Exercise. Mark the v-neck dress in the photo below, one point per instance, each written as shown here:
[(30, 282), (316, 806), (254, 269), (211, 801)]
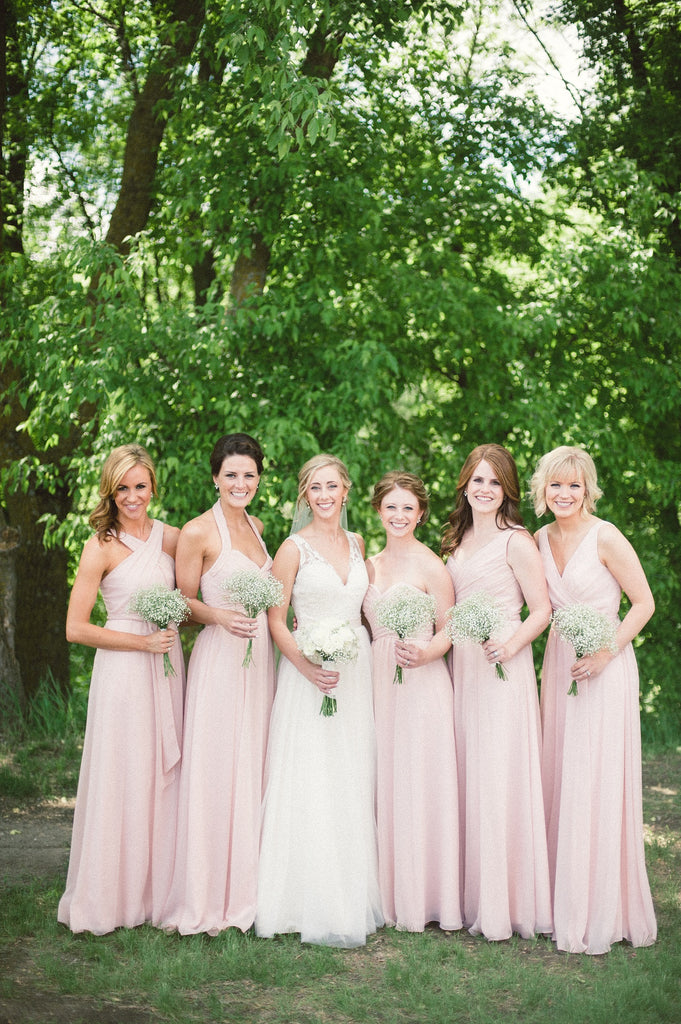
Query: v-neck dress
[(505, 876), (225, 736), (592, 773), (417, 804), (318, 860), (124, 825)]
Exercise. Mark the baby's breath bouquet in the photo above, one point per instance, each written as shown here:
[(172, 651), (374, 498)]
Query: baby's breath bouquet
[(476, 619), (161, 606), (587, 629), (405, 610), (256, 593), (328, 640)]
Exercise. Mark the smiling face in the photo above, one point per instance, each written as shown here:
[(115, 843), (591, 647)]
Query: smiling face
[(400, 512), (484, 490), (237, 480), (565, 495), (325, 493), (133, 494)]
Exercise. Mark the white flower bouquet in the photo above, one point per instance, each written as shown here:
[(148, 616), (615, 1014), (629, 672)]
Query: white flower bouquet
[(256, 593), (405, 610), (161, 606), (587, 629), (328, 640), (475, 620)]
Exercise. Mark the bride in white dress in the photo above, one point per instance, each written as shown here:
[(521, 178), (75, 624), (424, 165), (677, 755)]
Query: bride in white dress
[(318, 862)]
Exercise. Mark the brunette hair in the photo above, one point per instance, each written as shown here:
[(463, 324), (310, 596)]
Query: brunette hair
[(235, 444), (104, 518), (408, 482), (508, 514), (310, 468), (566, 460)]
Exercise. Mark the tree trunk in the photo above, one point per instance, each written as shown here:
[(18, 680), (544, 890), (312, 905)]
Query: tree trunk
[(12, 696)]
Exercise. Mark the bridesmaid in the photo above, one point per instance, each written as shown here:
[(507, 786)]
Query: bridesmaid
[(227, 709), (124, 825), (592, 744), (505, 879), (417, 800)]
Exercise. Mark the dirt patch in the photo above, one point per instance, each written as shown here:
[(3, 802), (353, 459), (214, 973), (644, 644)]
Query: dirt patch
[(34, 839)]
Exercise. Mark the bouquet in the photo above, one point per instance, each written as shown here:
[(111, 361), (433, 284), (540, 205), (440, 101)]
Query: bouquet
[(256, 593), (587, 630), (477, 618), (161, 606), (404, 610), (328, 640)]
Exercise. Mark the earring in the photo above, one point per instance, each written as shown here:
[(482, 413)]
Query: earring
[(345, 501), (465, 494), (217, 488), (418, 520), (308, 505)]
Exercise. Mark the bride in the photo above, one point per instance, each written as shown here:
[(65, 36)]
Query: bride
[(318, 863)]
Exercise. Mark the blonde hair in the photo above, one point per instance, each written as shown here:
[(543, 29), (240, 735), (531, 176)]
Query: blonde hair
[(408, 482), (310, 468), (508, 514), (104, 519), (566, 460)]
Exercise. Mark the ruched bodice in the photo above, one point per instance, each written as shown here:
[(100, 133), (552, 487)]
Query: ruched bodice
[(488, 569), (597, 587), (146, 566), (379, 632), (228, 561)]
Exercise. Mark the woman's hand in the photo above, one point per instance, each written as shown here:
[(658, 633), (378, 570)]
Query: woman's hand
[(324, 679), (160, 641), (496, 652), (590, 665), (410, 654), (236, 623)]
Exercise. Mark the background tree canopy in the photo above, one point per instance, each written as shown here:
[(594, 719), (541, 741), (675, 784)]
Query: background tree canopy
[(350, 226)]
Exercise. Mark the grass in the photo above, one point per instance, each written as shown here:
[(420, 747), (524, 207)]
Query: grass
[(143, 976)]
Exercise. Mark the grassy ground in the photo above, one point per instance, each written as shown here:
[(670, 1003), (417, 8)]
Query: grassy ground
[(143, 976)]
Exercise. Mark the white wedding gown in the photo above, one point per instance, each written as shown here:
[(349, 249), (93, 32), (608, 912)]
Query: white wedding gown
[(318, 862)]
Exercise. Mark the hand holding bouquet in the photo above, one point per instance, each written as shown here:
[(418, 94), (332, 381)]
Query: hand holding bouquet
[(476, 619), (161, 606), (587, 629), (405, 610), (328, 640), (256, 593)]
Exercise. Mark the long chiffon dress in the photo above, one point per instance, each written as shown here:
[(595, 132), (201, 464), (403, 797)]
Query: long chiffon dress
[(318, 861), (592, 774), (124, 825), (417, 805), (505, 877), (225, 736)]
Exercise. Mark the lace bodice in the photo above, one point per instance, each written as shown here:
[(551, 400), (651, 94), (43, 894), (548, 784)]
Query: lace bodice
[(319, 592)]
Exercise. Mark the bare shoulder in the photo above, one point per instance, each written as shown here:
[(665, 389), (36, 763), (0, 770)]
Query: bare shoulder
[(430, 561), (171, 535), (522, 542), (612, 542)]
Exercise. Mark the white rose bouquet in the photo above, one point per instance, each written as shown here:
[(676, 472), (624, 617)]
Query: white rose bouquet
[(405, 610), (161, 606), (475, 620), (587, 629), (328, 640), (256, 593)]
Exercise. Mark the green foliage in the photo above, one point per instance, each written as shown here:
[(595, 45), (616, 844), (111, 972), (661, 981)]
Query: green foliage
[(419, 292)]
